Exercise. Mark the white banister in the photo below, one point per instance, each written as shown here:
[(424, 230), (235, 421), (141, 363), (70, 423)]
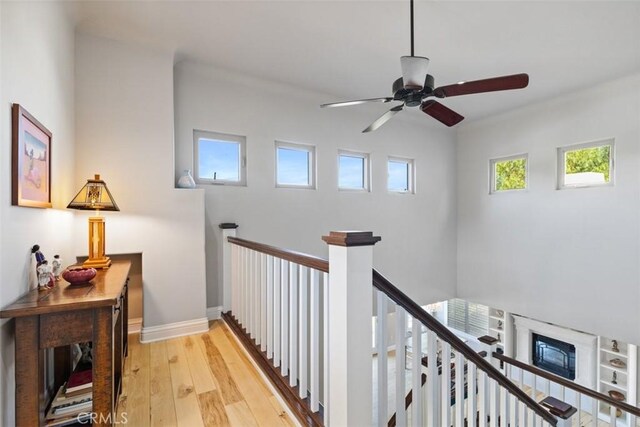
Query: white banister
[(277, 285), (401, 385), (459, 379), (227, 230), (416, 372), (284, 317), (269, 306), (381, 341), (432, 389), (293, 324), (445, 400), (303, 324), (314, 345), (350, 329)]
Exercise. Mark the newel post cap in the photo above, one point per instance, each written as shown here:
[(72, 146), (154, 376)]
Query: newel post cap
[(228, 225), (351, 238)]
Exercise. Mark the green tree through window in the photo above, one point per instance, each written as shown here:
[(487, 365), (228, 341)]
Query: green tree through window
[(595, 159), (511, 174)]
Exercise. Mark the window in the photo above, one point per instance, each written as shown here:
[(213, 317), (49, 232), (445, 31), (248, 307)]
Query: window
[(353, 171), (295, 165), (400, 175), (468, 317), (509, 173), (586, 165), (219, 158)]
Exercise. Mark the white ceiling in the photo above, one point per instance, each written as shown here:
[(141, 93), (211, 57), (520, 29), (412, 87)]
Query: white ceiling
[(351, 49)]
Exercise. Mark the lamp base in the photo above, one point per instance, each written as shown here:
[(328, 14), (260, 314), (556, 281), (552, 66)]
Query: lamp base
[(97, 263)]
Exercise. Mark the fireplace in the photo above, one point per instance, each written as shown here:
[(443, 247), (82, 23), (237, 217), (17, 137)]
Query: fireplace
[(553, 355)]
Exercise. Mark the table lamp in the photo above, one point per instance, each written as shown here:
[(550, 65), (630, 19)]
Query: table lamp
[(95, 196)]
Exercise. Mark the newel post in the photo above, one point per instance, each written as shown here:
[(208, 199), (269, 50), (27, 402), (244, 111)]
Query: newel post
[(350, 301), (228, 230)]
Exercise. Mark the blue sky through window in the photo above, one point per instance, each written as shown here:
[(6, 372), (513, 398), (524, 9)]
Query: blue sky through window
[(351, 172), (398, 176), (218, 160), (293, 166)]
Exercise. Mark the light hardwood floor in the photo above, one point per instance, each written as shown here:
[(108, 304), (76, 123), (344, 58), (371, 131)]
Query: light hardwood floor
[(200, 380)]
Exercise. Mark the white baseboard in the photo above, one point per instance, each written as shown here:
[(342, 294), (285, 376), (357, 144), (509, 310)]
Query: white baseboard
[(173, 330), (214, 313), (135, 325)]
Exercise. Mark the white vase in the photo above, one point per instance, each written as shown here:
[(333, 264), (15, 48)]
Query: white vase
[(186, 180)]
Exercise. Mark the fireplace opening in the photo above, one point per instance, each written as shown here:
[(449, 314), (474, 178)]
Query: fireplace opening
[(554, 356)]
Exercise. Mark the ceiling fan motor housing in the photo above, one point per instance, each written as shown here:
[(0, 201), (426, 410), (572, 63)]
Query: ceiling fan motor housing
[(412, 97)]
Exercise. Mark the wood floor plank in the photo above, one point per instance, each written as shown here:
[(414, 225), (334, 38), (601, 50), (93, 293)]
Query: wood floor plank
[(240, 415), (184, 396), (137, 393), (226, 385), (121, 410), (162, 408), (257, 397), (200, 372), (213, 410), (281, 412)]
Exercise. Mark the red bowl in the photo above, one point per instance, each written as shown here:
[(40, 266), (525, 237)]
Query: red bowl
[(77, 276)]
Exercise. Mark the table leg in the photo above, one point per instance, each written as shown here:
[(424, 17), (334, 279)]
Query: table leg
[(103, 367), (29, 373)]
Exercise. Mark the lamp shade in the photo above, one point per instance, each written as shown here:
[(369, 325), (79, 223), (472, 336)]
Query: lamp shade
[(94, 196)]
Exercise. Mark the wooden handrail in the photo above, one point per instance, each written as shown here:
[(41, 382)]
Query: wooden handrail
[(418, 313), (293, 256), (633, 410)]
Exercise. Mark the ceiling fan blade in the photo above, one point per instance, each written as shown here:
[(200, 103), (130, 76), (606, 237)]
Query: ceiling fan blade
[(383, 119), (441, 113), (356, 102), (515, 81), (414, 71)]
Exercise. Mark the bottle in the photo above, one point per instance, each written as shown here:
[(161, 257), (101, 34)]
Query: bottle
[(186, 180)]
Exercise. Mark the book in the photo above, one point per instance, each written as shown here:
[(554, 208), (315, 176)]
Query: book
[(61, 397), (79, 380), (70, 409)]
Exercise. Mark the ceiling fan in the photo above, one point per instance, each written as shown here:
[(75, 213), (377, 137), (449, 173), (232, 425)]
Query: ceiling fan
[(415, 87)]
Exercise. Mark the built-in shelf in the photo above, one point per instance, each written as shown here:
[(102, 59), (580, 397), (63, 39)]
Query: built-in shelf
[(501, 318), (626, 377)]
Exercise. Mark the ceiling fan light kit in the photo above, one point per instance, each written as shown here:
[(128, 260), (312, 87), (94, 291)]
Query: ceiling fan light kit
[(416, 86)]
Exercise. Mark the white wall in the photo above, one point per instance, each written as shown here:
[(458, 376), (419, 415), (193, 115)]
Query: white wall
[(569, 257), (417, 251), (124, 99), (37, 71)]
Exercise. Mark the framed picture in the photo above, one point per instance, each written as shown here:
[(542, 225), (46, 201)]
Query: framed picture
[(31, 161)]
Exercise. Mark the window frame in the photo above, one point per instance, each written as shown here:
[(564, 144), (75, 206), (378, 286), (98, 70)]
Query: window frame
[(561, 165), (312, 168), (366, 178), (218, 136), (492, 173), (411, 174)]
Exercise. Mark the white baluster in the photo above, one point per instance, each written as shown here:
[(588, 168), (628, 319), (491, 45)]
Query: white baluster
[(325, 330), (234, 280), (513, 409), (445, 385), (293, 324), (459, 367), (416, 373), (594, 412), (303, 324), (277, 313), (243, 252), (284, 323), (381, 346), (314, 347), (401, 387), (269, 291), (252, 294), (482, 398), (504, 406), (472, 402), (547, 388), (494, 399), (579, 407), (263, 302), (612, 416), (249, 292), (432, 389)]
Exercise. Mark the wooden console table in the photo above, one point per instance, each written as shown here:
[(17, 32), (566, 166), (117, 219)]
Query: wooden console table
[(63, 316)]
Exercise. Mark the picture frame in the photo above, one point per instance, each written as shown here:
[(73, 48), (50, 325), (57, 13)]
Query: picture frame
[(31, 161)]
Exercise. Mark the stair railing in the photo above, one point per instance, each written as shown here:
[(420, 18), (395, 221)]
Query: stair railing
[(305, 321), (539, 384)]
